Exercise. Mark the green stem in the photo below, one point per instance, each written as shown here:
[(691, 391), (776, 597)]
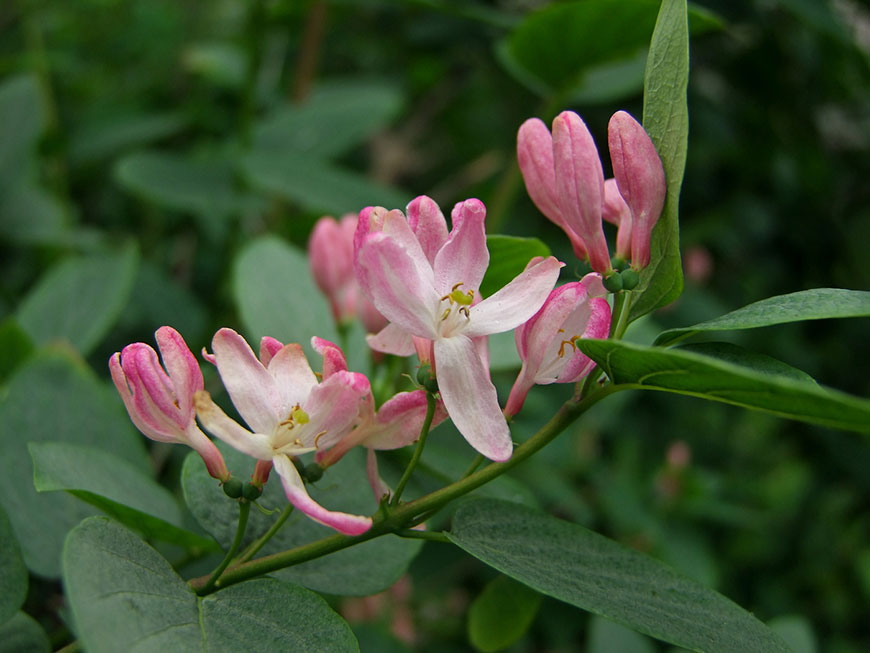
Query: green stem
[(258, 544), (211, 583), (432, 536), (401, 516), (477, 462), (618, 329), (424, 431)]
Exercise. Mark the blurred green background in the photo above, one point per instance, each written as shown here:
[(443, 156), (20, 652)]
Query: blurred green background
[(146, 148)]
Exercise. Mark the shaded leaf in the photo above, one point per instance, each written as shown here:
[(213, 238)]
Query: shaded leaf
[(15, 348), (508, 257), (815, 304), (637, 367), (22, 633), (22, 119), (605, 636), (13, 573), (666, 120), (358, 571), (108, 135), (501, 614), (79, 299), (737, 355), (114, 486), (52, 398), (29, 215), (125, 596), (594, 573)]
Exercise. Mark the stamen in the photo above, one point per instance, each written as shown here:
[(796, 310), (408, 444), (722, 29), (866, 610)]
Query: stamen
[(317, 438)]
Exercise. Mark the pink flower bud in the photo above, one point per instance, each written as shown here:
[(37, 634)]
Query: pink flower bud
[(160, 402), (547, 342), (330, 255), (616, 211), (641, 179)]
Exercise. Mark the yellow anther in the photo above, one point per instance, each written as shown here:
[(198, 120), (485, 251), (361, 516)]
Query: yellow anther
[(572, 343), (445, 314)]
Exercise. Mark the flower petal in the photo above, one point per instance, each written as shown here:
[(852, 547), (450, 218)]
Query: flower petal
[(333, 358), (464, 257), (428, 224), (221, 426), (147, 418), (401, 290), (332, 408), (379, 487), (616, 211), (293, 377), (535, 158), (182, 367), (470, 397), (251, 387), (392, 339), (516, 302), (296, 493)]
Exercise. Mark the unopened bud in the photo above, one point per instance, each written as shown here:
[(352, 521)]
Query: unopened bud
[(613, 283), (233, 488)]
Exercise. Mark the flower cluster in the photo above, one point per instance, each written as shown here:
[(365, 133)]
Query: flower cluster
[(415, 284)]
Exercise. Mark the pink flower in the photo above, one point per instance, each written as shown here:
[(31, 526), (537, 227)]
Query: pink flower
[(564, 178), (547, 342), (289, 413), (330, 256), (429, 290), (160, 403)]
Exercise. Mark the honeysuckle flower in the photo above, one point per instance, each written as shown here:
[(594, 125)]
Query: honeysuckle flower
[(431, 293), (288, 412), (330, 257), (160, 402), (547, 343), (563, 175)]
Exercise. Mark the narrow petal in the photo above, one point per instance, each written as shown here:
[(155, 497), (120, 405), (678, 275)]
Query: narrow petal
[(464, 257), (519, 392), (250, 385), (293, 377), (470, 398), (210, 454), (392, 339), (535, 158), (428, 224), (396, 285), (580, 182), (221, 426), (516, 302), (182, 367), (333, 358), (296, 493)]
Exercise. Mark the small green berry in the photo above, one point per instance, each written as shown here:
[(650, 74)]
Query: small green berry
[(233, 488), (313, 472), (252, 492), (613, 283), (630, 279)]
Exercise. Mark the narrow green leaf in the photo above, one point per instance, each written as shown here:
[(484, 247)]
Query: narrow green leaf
[(815, 304), (23, 633), (508, 257), (589, 571), (652, 368), (80, 299), (206, 187), (13, 573), (501, 614), (55, 398), (357, 571), (124, 596), (666, 119), (338, 115), (317, 185), (276, 296), (114, 486), (737, 355)]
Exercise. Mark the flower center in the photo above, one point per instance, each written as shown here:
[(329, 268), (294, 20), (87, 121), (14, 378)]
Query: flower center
[(458, 310)]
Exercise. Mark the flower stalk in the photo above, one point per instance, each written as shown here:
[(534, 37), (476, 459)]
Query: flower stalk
[(211, 584), (431, 403)]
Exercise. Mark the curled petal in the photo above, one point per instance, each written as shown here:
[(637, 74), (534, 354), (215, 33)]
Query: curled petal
[(428, 224), (145, 415), (296, 493), (269, 346), (470, 398), (333, 358), (182, 368), (516, 302), (464, 257), (332, 408)]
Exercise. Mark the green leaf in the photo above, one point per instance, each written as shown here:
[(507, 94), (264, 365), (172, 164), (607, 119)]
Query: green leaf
[(23, 633), (79, 300), (15, 348), (31, 216), (652, 368), (605, 636), (316, 185), (106, 136), (797, 631), (338, 115), (358, 571), (276, 296), (737, 355), (22, 119), (815, 304), (124, 596), (114, 486), (666, 119), (508, 257), (501, 614), (205, 186), (591, 572), (13, 573), (53, 398), (555, 51)]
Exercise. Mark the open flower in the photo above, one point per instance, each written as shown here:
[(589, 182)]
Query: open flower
[(547, 343), (289, 413), (160, 402), (433, 295)]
